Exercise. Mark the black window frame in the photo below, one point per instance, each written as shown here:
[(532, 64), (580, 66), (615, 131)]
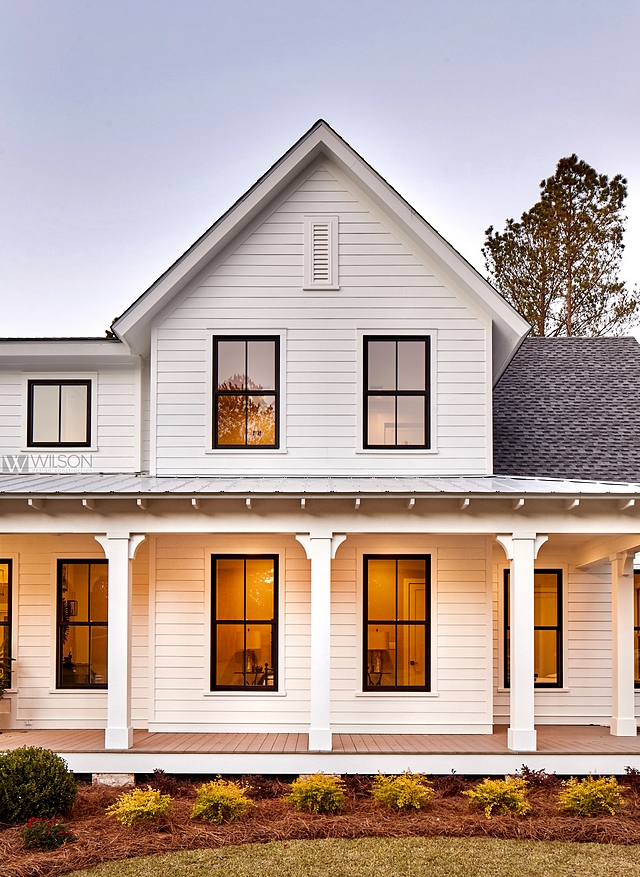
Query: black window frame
[(244, 621), (246, 392), (65, 622), (367, 683), (426, 393), (558, 628), (7, 626), (67, 382)]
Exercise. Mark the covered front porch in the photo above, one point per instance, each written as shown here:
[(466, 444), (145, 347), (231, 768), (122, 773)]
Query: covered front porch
[(562, 749)]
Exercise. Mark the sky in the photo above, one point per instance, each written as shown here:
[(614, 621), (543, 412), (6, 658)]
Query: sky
[(127, 128)]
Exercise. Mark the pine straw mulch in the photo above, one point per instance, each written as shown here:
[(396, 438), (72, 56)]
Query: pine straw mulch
[(101, 839)]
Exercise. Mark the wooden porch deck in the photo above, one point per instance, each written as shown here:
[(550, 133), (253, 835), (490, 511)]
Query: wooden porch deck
[(552, 740)]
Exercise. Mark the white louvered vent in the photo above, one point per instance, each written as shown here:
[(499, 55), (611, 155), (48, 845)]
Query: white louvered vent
[(321, 252), (321, 247)]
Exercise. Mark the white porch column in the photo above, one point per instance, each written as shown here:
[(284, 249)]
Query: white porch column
[(119, 549), (521, 550), (320, 550), (623, 721)]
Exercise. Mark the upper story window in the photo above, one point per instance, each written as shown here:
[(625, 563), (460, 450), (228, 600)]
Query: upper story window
[(396, 392), (82, 623), (245, 396), (59, 413), (547, 628)]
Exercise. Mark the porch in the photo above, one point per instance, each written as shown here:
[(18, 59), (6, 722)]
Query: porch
[(565, 749)]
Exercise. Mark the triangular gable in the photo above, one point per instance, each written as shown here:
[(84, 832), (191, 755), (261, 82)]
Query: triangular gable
[(509, 328)]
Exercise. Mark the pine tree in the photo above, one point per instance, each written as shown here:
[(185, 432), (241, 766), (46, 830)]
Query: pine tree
[(559, 265)]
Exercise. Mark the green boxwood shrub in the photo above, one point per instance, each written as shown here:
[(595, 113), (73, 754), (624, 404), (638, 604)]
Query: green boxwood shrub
[(319, 793), (591, 797), (504, 796), (408, 790), (221, 801), (34, 782)]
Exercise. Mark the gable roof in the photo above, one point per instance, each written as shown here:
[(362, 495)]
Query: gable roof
[(509, 328), (570, 408)]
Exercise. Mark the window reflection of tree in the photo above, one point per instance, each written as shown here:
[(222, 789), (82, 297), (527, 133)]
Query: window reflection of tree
[(245, 418)]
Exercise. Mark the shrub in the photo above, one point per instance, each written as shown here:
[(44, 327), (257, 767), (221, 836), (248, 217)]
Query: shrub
[(130, 808), (221, 800), (319, 793), (46, 834), (539, 778), (34, 782), (502, 795), (591, 797), (403, 791)]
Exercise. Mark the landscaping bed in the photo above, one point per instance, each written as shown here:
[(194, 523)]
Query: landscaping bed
[(100, 838)]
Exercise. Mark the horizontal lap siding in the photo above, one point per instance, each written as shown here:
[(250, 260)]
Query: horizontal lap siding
[(587, 649), (382, 286), (117, 413), (182, 661), (461, 675)]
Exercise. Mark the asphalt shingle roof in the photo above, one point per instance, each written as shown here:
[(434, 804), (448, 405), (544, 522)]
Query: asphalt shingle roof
[(570, 408)]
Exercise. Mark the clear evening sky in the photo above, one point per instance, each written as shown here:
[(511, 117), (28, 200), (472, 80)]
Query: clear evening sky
[(128, 127)]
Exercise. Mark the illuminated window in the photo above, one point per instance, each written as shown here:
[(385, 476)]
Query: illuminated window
[(59, 413), (244, 629), (245, 402), (636, 625), (5, 622), (396, 623), (396, 392), (547, 628), (82, 623)]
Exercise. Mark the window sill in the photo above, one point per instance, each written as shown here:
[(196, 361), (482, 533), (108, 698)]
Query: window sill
[(393, 451), (78, 691), (61, 449), (244, 452), (409, 695), (539, 690), (245, 693)]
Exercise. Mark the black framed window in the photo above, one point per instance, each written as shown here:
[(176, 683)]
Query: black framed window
[(636, 626), (547, 628), (82, 623), (396, 623), (5, 621), (244, 606), (59, 413), (246, 392), (396, 392)]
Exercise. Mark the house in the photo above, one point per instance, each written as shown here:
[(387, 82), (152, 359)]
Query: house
[(318, 502)]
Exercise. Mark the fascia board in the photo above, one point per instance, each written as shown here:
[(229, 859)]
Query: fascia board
[(104, 350)]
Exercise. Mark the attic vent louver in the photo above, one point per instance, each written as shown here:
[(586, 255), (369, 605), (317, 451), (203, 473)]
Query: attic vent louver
[(321, 252)]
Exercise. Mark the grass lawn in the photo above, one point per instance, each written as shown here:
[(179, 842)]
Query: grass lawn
[(387, 857)]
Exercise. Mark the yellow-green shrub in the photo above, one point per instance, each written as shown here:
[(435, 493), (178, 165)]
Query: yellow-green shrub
[(504, 796), (403, 791), (220, 801), (319, 793), (130, 808), (591, 797)]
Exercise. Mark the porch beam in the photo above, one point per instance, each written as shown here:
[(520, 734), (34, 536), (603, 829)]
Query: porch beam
[(623, 721), (599, 551), (320, 548), (119, 549)]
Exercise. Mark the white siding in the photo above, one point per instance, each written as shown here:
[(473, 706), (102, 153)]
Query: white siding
[(384, 287), (586, 694), (117, 412)]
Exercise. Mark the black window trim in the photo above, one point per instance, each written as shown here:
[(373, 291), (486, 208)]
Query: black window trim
[(53, 382), (9, 623), (275, 624), (427, 623), (216, 393), (426, 393), (60, 622), (558, 629)]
